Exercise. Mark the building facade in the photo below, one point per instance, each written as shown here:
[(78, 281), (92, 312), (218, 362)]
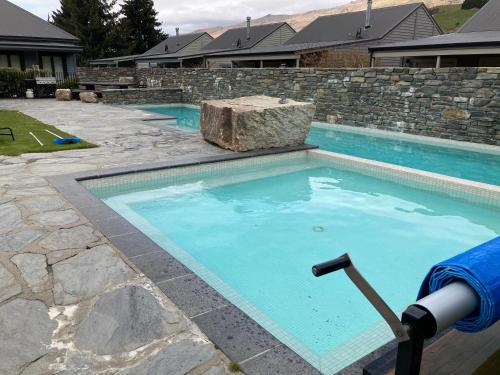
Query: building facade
[(27, 42)]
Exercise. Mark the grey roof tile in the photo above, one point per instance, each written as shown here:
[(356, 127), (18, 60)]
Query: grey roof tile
[(229, 39), (486, 19), (174, 43), (446, 40), (19, 23), (342, 27)]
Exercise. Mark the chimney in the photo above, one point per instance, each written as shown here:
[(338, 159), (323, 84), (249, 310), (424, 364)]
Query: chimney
[(368, 14), (248, 28), (177, 35)]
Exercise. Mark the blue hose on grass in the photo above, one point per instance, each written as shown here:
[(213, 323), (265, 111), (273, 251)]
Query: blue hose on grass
[(480, 268)]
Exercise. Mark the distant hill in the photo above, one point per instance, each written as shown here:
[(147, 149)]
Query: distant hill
[(300, 20), (451, 17)]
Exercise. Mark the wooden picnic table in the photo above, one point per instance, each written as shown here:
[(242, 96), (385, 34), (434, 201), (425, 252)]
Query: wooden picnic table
[(91, 85)]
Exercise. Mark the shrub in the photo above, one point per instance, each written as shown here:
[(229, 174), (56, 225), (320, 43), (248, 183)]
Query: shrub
[(68, 83), (469, 4), (12, 82)]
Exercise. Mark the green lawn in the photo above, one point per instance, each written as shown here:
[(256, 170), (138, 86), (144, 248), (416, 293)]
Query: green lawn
[(451, 17), (22, 125)]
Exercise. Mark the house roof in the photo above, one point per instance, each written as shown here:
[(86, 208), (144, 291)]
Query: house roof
[(482, 29), (342, 27), (486, 19), (229, 39), (174, 44), (475, 39), (17, 23)]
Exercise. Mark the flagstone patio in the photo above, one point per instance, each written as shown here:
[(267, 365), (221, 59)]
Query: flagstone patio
[(69, 301)]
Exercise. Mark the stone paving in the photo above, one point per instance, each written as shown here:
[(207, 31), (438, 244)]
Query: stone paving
[(70, 303)]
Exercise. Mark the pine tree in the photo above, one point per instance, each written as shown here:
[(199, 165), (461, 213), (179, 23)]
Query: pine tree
[(93, 22), (139, 26)]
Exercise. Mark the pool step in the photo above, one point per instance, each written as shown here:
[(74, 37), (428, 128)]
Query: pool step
[(159, 118), (454, 353)]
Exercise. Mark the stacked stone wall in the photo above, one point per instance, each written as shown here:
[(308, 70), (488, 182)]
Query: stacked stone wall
[(453, 103)]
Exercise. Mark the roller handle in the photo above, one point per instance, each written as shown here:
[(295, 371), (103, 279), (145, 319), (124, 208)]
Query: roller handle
[(331, 266)]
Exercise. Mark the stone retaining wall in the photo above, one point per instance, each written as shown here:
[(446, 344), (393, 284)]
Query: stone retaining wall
[(142, 96), (104, 74), (455, 103)]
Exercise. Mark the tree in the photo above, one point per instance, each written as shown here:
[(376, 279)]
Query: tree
[(139, 26), (93, 22), (469, 4)]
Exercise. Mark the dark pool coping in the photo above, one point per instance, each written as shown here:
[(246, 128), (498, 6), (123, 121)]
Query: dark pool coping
[(241, 338)]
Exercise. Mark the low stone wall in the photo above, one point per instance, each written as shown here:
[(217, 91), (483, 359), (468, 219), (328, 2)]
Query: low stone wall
[(142, 96), (454, 103), (104, 74)]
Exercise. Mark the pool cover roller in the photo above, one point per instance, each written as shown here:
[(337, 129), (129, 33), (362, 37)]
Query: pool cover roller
[(480, 269)]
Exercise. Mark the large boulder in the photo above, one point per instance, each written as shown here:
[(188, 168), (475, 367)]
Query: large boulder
[(63, 95), (89, 97), (255, 122)]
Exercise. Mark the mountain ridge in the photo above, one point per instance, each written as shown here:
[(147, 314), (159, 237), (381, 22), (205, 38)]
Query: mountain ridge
[(299, 20)]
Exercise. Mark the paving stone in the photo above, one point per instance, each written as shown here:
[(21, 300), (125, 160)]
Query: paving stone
[(42, 366), (19, 240), (33, 267), (279, 360), (25, 334), (219, 370), (56, 218), (59, 255), (126, 319), (9, 287), (88, 274), (11, 218), (73, 238), (175, 359), (235, 333), (39, 204)]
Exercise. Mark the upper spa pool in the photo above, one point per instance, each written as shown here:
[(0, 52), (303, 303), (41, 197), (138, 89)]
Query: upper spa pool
[(253, 228), (380, 146)]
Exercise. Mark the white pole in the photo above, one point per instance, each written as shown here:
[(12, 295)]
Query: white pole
[(48, 131), (34, 136)]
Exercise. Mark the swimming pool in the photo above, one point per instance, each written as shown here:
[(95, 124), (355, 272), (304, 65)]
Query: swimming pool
[(187, 117), (455, 162), (252, 229)]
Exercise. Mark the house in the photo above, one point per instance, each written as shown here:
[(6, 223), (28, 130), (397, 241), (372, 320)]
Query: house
[(27, 41), (475, 44), (183, 44), (353, 32), (240, 39)]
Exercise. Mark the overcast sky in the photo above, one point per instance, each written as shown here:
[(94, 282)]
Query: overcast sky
[(195, 14)]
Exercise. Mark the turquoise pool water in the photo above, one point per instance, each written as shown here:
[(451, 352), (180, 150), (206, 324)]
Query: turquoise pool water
[(253, 233), (476, 166), (481, 167), (187, 119)]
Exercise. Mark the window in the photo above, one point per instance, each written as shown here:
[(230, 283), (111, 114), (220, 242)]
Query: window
[(58, 65), (10, 61), (53, 64), (47, 63), (4, 61), (15, 61)]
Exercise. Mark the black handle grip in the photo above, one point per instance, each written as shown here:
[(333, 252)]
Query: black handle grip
[(331, 266)]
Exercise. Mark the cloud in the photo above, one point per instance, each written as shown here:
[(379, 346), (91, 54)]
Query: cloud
[(196, 14)]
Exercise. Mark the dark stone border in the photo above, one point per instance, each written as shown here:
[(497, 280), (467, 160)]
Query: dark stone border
[(241, 338)]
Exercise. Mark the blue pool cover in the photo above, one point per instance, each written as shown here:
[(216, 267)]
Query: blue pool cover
[(480, 268)]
